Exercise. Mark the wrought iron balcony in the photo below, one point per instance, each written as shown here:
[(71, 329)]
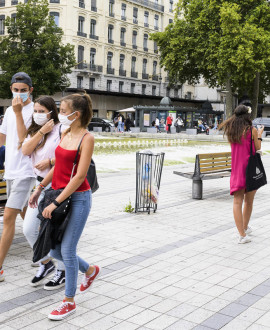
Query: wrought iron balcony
[(14, 2), (134, 47), (145, 75), (94, 8), (123, 18), (110, 70), (155, 51), (92, 36), (111, 14), (149, 4), (122, 43), (146, 25), (145, 49), (81, 34), (96, 68), (110, 41), (156, 28), (155, 77), (135, 20), (134, 74), (122, 73)]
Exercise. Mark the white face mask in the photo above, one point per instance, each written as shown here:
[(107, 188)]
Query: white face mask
[(64, 119), (40, 118)]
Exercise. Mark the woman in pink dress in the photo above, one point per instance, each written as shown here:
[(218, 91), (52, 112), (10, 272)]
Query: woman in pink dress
[(238, 130)]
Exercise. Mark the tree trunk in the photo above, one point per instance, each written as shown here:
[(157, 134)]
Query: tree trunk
[(255, 95), (229, 99)]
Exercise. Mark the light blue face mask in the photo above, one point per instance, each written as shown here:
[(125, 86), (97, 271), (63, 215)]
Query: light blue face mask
[(23, 96)]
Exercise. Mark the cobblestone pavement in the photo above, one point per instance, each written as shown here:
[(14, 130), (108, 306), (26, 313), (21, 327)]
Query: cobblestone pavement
[(180, 268)]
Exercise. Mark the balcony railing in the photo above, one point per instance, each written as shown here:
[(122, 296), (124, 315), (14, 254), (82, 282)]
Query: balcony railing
[(14, 2), (110, 41), (81, 4), (155, 51), (155, 77), (92, 36), (134, 47), (54, 1), (156, 28), (110, 70), (122, 43), (122, 73), (145, 75), (81, 34), (2, 32), (134, 74), (96, 68), (111, 14), (145, 49), (123, 18), (150, 4), (94, 8), (135, 20), (146, 25)]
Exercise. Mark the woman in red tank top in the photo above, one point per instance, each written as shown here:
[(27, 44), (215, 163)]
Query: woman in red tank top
[(237, 128), (75, 112)]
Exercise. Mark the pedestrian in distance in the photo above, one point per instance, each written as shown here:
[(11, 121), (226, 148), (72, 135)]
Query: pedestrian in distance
[(119, 123), (157, 125), (42, 137), (75, 112), (19, 174), (115, 121), (178, 124), (169, 121), (238, 130)]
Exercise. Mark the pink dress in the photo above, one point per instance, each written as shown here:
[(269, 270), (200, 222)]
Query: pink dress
[(240, 157)]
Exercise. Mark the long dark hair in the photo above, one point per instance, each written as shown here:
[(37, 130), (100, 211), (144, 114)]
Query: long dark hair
[(49, 104), (237, 125), (81, 103)]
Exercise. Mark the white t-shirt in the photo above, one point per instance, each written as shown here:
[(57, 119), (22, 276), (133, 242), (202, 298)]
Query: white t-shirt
[(47, 151), (16, 164), (157, 122)]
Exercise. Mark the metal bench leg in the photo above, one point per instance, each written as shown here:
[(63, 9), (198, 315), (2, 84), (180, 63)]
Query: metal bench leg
[(197, 188)]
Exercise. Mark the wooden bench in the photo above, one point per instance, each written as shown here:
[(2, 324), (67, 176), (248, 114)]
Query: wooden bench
[(3, 187), (207, 167)]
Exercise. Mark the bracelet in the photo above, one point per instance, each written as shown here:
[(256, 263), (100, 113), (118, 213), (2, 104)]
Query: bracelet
[(42, 186), (56, 203), (41, 133), (260, 139)]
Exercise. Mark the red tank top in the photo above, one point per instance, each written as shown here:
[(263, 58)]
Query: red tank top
[(63, 167)]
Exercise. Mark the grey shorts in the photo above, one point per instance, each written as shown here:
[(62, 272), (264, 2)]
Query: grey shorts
[(18, 192)]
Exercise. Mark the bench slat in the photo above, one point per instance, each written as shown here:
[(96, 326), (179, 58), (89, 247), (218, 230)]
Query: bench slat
[(214, 155), (216, 168), (215, 160)]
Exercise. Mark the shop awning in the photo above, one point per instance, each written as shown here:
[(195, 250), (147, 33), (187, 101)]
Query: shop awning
[(126, 110)]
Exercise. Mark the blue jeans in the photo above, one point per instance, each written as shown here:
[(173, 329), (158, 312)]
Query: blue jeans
[(67, 251)]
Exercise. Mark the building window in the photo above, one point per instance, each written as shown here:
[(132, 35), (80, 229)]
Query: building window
[(80, 57), (156, 22), (121, 85), (110, 34), (14, 2), (92, 57), (133, 64), (122, 62), (171, 6), (145, 40), (144, 66), (111, 9), (143, 89), (188, 96), (2, 3), (92, 83), (93, 5), (2, 24), (132, 88), (135, 15), (79, 82), (155, 47), (154, 89), (80, 27), (81, 4), (146, 15), (154, 68), (53, 1), (123, 11), (55, 16), (122, 37), (170, 21), (109, 85), (134, 39), (93, 24), (110, 70)]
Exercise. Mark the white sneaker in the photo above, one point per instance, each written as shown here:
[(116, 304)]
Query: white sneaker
[(248, 230), (244, 239), (2, 278)]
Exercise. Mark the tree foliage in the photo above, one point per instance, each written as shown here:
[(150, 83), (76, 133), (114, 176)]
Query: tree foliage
[(33, 44), (227, 42)]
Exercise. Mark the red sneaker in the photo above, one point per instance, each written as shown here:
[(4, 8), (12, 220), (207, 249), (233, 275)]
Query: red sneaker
[(1, 275), (88, 280), (64, 310)]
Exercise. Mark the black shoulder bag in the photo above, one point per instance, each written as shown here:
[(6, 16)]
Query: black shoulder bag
[(255, 173)]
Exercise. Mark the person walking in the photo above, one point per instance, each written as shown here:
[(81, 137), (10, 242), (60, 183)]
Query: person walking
[(75, 112), (169, 123), (115, 120), (238, 130), (179, 124), (19, 174), (119, 123), (157, 125), (128, 124), (43, 136)]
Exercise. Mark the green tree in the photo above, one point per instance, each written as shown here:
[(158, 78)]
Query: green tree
[(34, 45), (227, 42)]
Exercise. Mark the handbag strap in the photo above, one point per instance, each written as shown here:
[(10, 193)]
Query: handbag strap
[(76, 157), (251, 153)]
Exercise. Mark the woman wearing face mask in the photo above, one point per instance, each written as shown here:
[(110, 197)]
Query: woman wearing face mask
[(75, 111), (43, 136)]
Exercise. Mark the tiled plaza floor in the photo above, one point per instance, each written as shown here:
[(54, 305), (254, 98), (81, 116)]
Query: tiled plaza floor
[(180, 268)]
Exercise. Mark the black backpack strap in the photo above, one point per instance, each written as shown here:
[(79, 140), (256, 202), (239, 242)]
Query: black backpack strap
[(76, 157), (60, 134)]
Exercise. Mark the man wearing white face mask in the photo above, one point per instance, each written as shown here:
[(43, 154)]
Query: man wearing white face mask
[(19, 173), (43, 136)]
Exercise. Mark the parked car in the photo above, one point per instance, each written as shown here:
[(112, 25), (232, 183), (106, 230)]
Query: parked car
[(101, 122), (263, 121)]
